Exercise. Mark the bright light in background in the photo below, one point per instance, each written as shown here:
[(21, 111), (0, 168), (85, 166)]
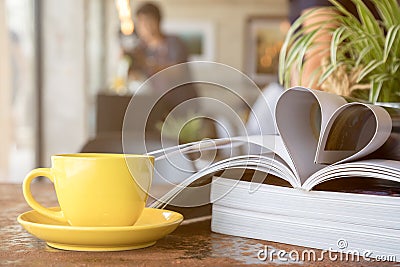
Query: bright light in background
[(127, 27), (125, 16), (269, 50)]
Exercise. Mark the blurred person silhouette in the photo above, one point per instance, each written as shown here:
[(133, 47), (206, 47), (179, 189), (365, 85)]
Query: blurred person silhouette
[(155, 51)]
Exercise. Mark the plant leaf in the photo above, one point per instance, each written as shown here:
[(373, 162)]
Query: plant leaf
[(389, 12), (342, 10), (395, 66), (327, 72), (372, 65), (362, 54), (391, 37), (375, 91), (336, 40), (368, 20)]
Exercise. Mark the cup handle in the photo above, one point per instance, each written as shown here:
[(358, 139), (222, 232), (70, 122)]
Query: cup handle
[(26, 188)]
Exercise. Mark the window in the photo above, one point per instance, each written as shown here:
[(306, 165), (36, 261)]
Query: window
[(18, 107)]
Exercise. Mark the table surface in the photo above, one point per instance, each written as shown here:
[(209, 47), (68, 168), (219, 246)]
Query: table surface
[(191, 244)]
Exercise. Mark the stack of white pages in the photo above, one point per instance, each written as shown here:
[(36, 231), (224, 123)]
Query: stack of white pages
[(346, 222)]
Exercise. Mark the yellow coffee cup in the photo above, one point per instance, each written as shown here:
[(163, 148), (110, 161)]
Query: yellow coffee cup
[(95, 189)]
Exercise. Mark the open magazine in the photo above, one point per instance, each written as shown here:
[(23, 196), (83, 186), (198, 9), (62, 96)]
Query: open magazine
[(322, 136)]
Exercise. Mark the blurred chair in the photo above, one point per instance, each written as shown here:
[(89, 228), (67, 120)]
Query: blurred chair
[(110, 113), (261, 119)]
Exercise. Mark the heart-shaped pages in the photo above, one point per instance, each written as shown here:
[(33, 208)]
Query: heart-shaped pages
[(322, 128)]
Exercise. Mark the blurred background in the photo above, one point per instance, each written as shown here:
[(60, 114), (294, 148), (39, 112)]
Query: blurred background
[(64, 77)]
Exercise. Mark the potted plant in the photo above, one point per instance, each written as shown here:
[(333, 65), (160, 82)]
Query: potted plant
[(186, 129), (363, 58)]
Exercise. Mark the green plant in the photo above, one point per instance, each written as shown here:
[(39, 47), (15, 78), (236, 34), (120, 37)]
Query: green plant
[(364, 53), (186, 129)]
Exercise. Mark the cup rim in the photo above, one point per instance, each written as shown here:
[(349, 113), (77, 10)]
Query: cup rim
[(101, 156)]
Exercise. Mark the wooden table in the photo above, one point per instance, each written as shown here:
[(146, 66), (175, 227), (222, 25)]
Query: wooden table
[(190, 245)]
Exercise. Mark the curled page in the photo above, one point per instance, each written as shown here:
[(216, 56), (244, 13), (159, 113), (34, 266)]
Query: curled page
[(354, 131), (391, 148), (301, 114), (372, 168)]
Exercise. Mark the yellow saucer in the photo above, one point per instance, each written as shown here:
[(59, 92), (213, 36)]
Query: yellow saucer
[(152, 225)]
